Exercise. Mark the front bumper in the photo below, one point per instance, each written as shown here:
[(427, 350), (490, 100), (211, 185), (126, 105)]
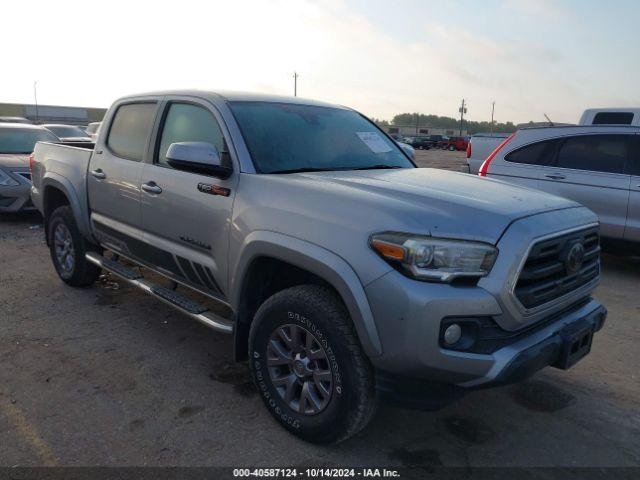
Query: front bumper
[(409, 315), (16, 198), (547, 346)]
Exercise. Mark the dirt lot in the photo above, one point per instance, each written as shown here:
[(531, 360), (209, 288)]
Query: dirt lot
[(106, 376)]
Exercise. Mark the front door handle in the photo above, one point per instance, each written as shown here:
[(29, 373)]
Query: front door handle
[(555, 177), (99, 174), (151, 187)]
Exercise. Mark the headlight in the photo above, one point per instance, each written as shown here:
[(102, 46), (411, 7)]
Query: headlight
[(435, 259), (7, 181)]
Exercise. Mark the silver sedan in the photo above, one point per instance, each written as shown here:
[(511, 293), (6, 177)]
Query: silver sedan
[(17, 141)]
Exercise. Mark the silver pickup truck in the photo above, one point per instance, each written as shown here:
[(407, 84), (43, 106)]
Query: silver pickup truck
[(349, 274)]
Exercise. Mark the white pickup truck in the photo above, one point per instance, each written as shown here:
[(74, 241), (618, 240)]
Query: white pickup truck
[(480, 146)]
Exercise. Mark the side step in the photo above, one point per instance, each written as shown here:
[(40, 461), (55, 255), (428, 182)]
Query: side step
[(187, 306)]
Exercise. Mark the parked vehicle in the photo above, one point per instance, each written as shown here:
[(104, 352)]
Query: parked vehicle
[(480, 147), (457, 143), (68, 133), (350, 274), (438, 141), (16, 143), (420, 143), (16, 120), (611, 116), (408, 149), (93, 129), (598, 166)]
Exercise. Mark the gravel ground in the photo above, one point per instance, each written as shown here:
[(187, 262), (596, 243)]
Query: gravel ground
[(109, 376)]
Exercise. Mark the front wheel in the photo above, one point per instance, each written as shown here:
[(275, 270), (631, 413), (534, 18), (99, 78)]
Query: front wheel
[(68, 249), (308, 365)]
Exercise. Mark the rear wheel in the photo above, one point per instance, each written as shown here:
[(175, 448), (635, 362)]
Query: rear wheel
[(309, 367), (68, 249)]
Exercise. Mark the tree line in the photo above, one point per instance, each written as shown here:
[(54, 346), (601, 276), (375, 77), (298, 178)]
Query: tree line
[(436, 121)]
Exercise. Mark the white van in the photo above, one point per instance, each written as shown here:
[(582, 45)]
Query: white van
[(611, 116)]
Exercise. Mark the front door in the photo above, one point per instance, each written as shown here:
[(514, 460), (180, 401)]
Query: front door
[(185, 215), (590, 169), (632, 231)]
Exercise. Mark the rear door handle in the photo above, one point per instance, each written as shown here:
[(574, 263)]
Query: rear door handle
[(99, 174), (151, 187), (555, 177)]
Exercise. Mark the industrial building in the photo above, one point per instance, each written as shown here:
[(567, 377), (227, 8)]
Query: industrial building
[(53, 113), (413, 130)]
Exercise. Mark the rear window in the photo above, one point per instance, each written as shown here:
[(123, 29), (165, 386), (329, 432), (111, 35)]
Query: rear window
[(64, 131), (598, 153), (130, 130), (613, 118), (540, 153), (14, 140)]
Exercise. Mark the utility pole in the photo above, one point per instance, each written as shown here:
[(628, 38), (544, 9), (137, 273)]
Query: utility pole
[(35, 96), (462, 111), (295, 84), (493, 109), (417, 122)]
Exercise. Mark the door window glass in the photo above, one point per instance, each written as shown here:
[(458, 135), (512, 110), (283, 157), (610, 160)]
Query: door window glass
[(540, 153), (189, 123), (130, 130), (598, 153)]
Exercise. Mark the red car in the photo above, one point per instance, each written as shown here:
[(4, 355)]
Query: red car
[(457, 143)]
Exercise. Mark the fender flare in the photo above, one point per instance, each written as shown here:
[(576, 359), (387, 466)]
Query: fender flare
[(52, 179), (317, 260)]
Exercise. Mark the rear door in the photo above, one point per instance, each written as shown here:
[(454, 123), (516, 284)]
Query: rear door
[(590, 169), (186, 222), (632, 230), (525, 165), (113, 179)]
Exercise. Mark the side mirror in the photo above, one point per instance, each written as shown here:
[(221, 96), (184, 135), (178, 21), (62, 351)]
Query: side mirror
[(197, 157)]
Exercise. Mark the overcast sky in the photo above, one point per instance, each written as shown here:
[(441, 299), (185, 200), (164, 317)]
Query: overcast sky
[(381, 57)]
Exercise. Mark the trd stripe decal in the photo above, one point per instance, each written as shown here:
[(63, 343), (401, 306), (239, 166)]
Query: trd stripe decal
[(204, 277), (141, 250), (213, 280), (188, 270)]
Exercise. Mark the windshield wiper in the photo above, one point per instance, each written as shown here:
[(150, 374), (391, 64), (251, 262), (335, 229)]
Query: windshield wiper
[(376, 167), (304, 169), (335, 169)]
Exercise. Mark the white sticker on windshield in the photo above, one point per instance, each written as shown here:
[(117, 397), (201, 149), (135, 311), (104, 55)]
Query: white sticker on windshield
[(374, 141)]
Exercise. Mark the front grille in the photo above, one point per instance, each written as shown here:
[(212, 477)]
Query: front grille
[(548, 274)]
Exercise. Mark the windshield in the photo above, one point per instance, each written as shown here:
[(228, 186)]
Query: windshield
[(285, 138), (63, 131), (13, 140)]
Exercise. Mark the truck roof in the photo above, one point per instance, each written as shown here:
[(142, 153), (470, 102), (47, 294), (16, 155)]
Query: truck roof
[(235, 96)]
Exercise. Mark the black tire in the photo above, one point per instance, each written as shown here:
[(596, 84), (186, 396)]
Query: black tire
[(316, 311), (79, 272)]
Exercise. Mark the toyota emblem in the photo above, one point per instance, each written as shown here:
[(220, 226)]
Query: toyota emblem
[(574, 258)]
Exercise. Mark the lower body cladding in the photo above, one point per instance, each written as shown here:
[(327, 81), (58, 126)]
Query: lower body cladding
[(16, 198), (417, 369)]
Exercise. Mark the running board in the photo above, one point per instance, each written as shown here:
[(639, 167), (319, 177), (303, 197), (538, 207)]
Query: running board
[(187, 306)]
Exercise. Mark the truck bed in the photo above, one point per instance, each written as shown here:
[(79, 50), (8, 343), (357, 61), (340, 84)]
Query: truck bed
[(63, 166)]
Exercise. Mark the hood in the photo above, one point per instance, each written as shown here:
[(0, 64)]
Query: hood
[(14, 160), (437, 202)]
